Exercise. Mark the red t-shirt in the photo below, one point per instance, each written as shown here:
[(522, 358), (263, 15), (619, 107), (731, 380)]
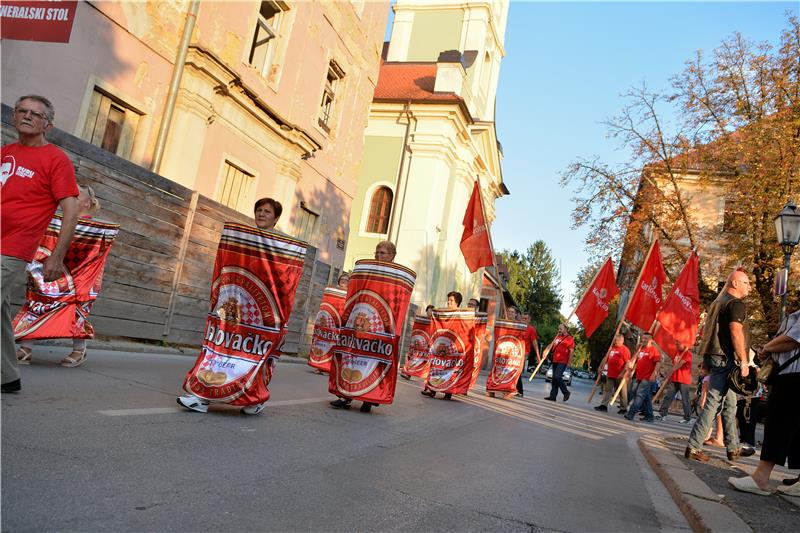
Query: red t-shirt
[(648, 358), (684, 373), (34, 180), (561, 348), (530, 338), (617, 357)]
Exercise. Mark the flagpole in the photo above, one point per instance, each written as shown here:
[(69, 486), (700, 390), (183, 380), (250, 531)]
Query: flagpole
[(616, 332), (547, 349)]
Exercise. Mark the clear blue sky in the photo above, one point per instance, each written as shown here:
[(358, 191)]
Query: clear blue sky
[(566, 65)]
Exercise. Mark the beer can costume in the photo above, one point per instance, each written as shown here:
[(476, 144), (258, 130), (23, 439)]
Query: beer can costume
[(365, 361), (417, 361), (326, 328), (61, 308), (254, 282), (509, 356), (481, 322), (452, 351)]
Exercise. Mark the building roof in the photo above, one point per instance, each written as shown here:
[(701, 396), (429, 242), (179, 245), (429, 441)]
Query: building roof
[(411, 82)]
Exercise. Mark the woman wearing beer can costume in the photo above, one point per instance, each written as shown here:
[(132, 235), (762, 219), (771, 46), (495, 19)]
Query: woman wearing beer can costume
[(255, 278), (67, 301), (366, 358), (454, 300), (417, 363), (326, 326)]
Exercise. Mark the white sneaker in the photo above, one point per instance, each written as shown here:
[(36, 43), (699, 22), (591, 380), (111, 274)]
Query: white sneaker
[(193, 403), (685, 421), (661, 417), (254, 409)]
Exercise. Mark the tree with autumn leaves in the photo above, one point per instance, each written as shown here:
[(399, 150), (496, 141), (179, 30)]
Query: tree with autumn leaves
[(736, 134)]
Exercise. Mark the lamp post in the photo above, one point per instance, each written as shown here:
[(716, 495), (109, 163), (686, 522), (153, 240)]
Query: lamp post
[(787, 227)]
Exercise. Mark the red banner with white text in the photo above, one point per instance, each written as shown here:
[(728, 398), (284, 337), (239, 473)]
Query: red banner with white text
[(60, 308), (509, 356), (452, 351), (365, 360), (326, 329), (647, 296), (417, 361), (680, 315), (252, 293), (593, 307), (44, 20)]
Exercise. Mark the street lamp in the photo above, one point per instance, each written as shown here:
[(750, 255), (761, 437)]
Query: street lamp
[(787, 227)]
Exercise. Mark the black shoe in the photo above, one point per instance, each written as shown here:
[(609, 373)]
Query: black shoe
[(341, 403), (789, 481), (566, 396), (741, 452), (366, 407), (11, 386), (697, 455), (521, 395), (428, 393), (448, 396), (549, 398), (622, 411), (601, 408), (405, 376)]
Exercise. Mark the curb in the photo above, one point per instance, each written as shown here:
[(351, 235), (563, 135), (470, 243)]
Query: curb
[(703, 509)]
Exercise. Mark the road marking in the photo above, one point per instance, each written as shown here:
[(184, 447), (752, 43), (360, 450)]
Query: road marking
[(172, 410)]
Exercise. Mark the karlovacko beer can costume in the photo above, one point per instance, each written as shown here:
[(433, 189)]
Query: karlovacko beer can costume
[(60, 308), (417, 361), (481, 322), (452, 351), (365, 361), (509, 356), (254, 283), (326, 328)]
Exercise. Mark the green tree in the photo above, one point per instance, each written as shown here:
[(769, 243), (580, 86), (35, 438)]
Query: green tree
[(534, 285)]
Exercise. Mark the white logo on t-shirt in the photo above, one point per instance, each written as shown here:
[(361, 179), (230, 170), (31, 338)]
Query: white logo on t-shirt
[(8, 168)]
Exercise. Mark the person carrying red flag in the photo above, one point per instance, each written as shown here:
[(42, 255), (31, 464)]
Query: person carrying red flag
[(648, 360), (680, 379), (679, 317), (475, 243), (592, 310), (563, 346), (618, 358)]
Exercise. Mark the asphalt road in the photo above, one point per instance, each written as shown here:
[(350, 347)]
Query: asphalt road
[(104, 447)]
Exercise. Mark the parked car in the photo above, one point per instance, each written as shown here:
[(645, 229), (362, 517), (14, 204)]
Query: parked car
[(583, 374), (566, 376)]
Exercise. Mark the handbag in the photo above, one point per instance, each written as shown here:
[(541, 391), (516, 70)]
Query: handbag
[(770, 369)]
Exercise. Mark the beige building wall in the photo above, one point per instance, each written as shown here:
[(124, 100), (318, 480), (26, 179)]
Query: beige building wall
[(264, 121)]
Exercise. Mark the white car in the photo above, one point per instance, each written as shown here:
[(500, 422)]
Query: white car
[(566, 376)]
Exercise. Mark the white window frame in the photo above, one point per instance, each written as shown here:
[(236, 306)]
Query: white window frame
[(332, 89), (248, 200), (275, 44)]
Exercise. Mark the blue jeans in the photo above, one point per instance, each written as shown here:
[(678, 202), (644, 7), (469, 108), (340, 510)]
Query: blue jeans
[(558, 381), (719, 400), (644, 399)]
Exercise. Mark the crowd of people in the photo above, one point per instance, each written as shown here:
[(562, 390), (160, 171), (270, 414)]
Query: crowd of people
[(38, 178)]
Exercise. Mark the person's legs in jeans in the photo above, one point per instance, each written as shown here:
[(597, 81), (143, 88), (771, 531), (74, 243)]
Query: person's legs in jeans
[(560, 380), (717, 391), (638, 399), (730, 434), (13, 276), (669, 395), (648, 399), (558, 370)]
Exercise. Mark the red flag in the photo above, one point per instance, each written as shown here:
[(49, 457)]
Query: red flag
[(647, 296), (680, 315), (475, 243), (593, 307)]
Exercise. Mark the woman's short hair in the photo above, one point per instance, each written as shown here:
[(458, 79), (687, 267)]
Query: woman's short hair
[(277, 208)]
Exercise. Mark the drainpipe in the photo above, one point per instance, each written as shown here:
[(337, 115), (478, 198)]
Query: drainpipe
[(394, 222), (172, 95)]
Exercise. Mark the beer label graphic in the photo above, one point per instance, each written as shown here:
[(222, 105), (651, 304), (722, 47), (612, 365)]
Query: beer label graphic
[(326, 328), (452, 351), (509, 356), (365, 358), (417, 360)]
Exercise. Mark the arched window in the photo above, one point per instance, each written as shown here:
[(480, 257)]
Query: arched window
[(380, 207)]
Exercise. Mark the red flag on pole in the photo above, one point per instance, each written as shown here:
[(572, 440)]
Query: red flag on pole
[(680, 315), (593, 307), (647, 296), (475, 240)]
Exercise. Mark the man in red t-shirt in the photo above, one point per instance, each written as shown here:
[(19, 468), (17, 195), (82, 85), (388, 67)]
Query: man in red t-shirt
[(562, 347), (531, 342), (648, 360), (37, 178), (618, 357), (679, 381)]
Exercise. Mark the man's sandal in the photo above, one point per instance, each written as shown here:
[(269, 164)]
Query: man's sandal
[(24, 355), (76, 358)]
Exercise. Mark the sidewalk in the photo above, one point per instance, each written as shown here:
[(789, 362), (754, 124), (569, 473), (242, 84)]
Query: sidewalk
[(702, 491)]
